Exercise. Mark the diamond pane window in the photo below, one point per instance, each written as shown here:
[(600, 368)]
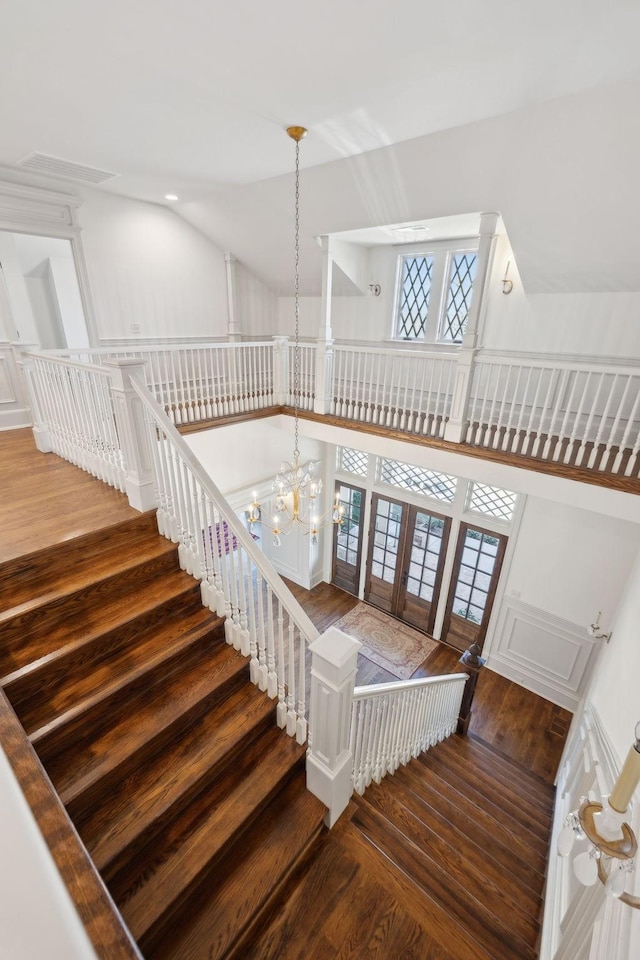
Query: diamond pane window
[(432, 484), (454, 321), (415, 288), (352, 461), (492, 501)]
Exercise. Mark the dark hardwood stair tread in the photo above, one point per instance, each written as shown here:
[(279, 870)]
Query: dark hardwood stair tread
[(494, 933), (545, 788), (89, 625), (140, 808), (513, 792), (249, 881), (38, 571), (465, 863), (98, 763), (318, 920), (502, 866), (141, 668), (178, 869), (505, 768), (463, 779), (73, 610), (506, 842), (94, 571)]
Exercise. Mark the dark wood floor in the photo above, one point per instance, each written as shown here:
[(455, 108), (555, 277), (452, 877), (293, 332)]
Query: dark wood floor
[(46, 500)]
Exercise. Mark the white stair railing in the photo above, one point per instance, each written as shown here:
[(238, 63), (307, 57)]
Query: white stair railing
[(394, 722), (75, 415), (263, 620), (360, 734)]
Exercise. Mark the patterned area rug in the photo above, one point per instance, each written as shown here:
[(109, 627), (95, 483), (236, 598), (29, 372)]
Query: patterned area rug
[(387, 642)]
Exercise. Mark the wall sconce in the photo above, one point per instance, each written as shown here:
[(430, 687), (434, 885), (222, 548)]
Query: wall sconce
[(611, 843), (594, 630), (374, 289), (507, 285)]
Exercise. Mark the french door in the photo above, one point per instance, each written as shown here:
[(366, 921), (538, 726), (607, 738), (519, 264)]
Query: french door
[(479, 555), (347, 538), (407, 548)]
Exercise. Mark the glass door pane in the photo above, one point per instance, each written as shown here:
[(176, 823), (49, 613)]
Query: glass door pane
[(476, 570), (424, 558), (386, 540), (347, 541)]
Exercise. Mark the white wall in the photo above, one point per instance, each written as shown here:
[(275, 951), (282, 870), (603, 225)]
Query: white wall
[(240, 456), (148, 267), (614, 690), (256, 306), (16, 289), (571, 562)]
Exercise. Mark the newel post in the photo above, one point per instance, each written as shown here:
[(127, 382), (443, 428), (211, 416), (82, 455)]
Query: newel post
[(456, 425), (329, 759), (472, 663), (280, 370), (139, 483)]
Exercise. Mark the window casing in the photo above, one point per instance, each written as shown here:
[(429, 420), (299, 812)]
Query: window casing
[(434, 289)]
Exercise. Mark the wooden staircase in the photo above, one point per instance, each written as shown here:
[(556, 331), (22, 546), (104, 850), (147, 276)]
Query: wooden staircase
[(165, 756), (444, 860)]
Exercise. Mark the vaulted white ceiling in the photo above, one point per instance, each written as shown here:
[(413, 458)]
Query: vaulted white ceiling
[(192, 98)]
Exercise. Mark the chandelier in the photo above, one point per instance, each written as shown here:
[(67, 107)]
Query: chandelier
[(296, 488)]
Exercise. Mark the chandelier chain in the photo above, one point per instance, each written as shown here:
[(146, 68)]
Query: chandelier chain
[(296, 350)]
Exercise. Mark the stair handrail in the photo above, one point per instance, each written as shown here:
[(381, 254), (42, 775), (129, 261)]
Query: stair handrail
[(392, 723), (239, 588)]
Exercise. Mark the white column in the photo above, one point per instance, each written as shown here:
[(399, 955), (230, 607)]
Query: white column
[(324, 349), (233, 328), (280, 370), (139, 483), (457, 422), (329, 759)]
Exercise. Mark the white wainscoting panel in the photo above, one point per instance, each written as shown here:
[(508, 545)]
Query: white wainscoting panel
[(582, 922), (542, 652), (7, 393), (14, 411)]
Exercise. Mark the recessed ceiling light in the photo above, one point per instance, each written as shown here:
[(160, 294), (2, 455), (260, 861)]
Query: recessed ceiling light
[(171, 196)]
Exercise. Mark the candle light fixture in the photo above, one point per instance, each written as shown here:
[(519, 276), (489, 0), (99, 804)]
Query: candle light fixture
[(297, 489), (608, 843)]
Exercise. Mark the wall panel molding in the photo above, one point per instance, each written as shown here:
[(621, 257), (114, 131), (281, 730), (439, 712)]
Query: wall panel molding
[(543, 652)]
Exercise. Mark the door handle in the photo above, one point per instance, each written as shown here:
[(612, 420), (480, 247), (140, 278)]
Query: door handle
[(405, 575)]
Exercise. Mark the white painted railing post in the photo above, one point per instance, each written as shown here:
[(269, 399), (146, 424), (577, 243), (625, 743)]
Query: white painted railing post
[(233, 328), (458, 419), (139, 483), (324, 377), (281, 370), (329, 759), (40, 427)]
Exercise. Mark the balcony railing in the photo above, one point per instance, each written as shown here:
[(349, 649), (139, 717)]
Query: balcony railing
[(585, 415)]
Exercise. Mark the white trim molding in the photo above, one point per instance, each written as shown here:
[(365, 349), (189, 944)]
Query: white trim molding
[(46, 213), (582, 923), (544, 653)]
